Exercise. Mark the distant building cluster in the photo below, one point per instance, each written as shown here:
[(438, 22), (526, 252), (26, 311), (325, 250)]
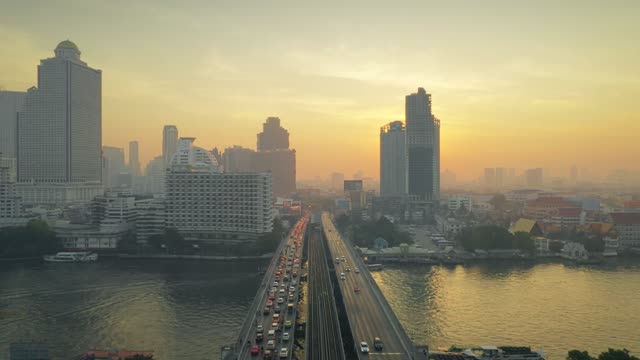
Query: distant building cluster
[(53, 166)]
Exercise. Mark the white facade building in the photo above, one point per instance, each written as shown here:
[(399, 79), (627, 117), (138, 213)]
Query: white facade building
[(203, 203), (11, 103), (155, 173), (393, 160), (455, 202), (58, 194), (60, 127), (151, 218)]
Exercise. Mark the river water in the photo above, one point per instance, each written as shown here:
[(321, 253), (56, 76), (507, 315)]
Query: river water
[(187, 310), (179, 309), (554, 307)]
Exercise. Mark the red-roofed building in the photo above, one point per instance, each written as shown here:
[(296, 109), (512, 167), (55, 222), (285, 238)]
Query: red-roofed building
[(632, 206), (627, 225), (568, 218), (544, 208)]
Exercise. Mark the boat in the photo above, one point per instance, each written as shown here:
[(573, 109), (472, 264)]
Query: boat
[(75, 257)]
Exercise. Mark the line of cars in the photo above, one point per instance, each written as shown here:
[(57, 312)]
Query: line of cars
[(364, 346), (280, 303)]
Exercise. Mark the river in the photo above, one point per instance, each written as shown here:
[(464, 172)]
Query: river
[(552, 306), (187, 310), (179, 309)]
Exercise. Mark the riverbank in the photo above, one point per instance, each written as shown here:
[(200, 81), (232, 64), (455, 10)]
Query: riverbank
[(157, 257), (192, 257)]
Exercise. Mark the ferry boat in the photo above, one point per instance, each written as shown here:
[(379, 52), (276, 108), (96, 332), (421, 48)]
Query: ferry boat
[(79, 256)]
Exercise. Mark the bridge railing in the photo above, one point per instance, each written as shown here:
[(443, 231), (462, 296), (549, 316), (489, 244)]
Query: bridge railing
[(254, 310), (407, 343)]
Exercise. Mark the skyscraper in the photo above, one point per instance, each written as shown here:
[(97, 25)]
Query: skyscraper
[(274, 155), (393, 160), (60, 127), (134, 160), (10, 105), (534, 177), (423, 147), (60, 131), (273, 136), (169, 143), (114, 165)]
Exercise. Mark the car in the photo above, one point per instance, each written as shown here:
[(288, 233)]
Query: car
[(274, 325), (271, 296), (259, 328), (280, 300), (255, 350), (357, 271), (342, 277), (259, 337), (275, 284), (347, 269), (267, 355), (377, 344), (285, 336), (287, 324), (356, 289), (266, 311), (291, 297), (271, 334), (276, 317), (269, 303), (284, 353), (277, 309), (364, 347), (271, 344), (292, 289), (294, 283)]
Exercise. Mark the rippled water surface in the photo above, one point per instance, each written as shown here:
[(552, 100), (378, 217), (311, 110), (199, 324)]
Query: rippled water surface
[(179, 309), (550, 306)]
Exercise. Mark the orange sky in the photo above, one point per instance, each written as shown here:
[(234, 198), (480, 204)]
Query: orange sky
[(515, 84)]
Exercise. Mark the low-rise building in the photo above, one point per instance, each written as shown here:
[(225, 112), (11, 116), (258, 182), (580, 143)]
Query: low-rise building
[(88, 236), (568, 218), (627, 226), (455, 202)]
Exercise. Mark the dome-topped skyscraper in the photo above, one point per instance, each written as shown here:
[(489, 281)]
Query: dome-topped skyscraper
[(67, 49)]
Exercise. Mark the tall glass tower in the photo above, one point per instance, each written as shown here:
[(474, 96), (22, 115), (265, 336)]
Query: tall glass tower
[(423, 147)]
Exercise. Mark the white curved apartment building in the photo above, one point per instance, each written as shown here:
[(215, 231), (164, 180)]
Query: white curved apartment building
[(203, 203)]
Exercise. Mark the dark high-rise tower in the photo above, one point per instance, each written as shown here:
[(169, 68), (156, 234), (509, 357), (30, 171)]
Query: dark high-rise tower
[(273, 136), (423, 147)]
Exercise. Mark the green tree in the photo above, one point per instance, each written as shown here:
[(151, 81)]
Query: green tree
[(524, 242), (617, 354), (128, 242), (579, 355), (173, 240), (555, 246), (269, 242), (499, 202)]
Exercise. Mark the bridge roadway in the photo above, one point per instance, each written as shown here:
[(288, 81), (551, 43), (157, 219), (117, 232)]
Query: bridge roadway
[(323, 340), (368, 312), (291, 247)]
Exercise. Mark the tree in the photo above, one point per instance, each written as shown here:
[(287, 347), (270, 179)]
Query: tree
[(524, 242), (269, 242), (617, 354), (579, 355), (128, 242), (555, 246), (499, 202), (173, 240)]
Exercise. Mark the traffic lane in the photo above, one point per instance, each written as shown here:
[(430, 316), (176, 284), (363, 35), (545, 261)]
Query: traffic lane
[(364, 309)]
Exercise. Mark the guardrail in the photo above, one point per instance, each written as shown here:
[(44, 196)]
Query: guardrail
[(242, 342), (407, 343)]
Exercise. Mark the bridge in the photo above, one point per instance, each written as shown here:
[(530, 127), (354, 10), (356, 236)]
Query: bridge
[(368, 314)]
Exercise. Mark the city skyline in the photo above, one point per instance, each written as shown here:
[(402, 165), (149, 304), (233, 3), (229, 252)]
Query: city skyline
[(525, 92)]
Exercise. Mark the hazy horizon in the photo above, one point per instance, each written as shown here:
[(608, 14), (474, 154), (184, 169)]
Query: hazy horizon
[(516, 85)]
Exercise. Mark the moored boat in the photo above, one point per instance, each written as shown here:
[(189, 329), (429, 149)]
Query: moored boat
[(76, 256)]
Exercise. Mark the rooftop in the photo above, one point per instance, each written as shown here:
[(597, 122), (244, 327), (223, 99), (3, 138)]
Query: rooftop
[(626, 218)]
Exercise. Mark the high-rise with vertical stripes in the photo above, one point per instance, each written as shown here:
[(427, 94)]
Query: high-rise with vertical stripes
[(423, 147)]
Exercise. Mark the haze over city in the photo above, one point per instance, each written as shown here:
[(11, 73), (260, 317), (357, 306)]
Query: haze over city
[(515, 84)]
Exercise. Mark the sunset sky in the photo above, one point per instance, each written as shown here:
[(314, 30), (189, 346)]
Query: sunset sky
[(515, 84)]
